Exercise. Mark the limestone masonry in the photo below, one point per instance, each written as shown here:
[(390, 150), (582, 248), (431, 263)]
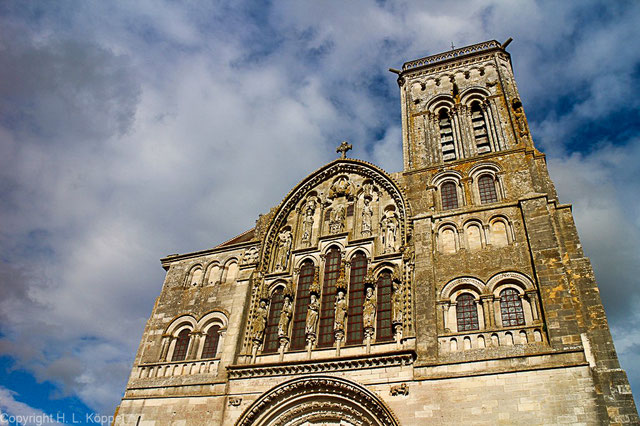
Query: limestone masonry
[(453, 292)]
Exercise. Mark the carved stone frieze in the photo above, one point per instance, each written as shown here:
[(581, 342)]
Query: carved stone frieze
[(321, 366)]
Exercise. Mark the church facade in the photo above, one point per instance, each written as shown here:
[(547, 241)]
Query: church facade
[(453, 292)]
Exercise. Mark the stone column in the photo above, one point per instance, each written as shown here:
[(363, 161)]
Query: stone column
[(487, 310), (532, 296), (167, 339)]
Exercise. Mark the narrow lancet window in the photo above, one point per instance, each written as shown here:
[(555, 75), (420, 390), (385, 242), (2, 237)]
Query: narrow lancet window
[(298, 338), (331, 273), (355, 333), (271, 341), (384, 329)]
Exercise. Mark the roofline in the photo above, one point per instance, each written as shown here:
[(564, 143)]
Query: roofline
[(218, 249), (453, 55)]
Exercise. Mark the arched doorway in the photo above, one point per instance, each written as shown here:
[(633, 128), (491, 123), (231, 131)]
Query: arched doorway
[(318, 400)]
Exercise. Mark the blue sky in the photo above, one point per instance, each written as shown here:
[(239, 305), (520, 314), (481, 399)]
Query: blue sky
[(132, 130)]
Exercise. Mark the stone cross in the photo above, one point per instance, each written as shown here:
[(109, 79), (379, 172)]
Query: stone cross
[(343, 148)]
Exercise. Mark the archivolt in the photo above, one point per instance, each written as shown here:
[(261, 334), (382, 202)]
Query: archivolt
[(318, 398)]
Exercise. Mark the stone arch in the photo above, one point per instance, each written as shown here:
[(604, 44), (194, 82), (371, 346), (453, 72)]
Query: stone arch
[(180, 322), (352, 251), (318, 398), (330, 172), (439, 101), (474, 234), (521, 280), (214, 273), (500, 231), (230, 270), (474, 93), (463, 282), (195, 276)]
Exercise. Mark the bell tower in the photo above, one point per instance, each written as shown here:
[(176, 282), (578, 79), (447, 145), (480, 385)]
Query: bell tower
[(486, 216), (459, 105)]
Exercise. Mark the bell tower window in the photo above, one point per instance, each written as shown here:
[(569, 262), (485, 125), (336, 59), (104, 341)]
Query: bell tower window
[(211, 342), (487, 189), (180, 351), (446, 135), (479, 125), (449, 196)]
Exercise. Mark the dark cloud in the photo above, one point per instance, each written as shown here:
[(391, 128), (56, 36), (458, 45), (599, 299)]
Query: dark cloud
[(132, 130)]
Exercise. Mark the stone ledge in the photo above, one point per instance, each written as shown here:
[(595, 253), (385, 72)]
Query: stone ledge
[(321, 365)]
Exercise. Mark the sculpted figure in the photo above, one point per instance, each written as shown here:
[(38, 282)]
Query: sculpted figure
[(337, 219), (367, 214), (341, 311), (521, 120), (285, 317), (284, 249), (396, 304), (312, 315), (389, 225), (260, 321), (307, 226), (369, 309)]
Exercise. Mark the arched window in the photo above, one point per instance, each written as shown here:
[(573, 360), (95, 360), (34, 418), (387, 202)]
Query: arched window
[(355, 333), (211, 342), (487, 189), (271, 333), (479, 128), (384, 329), (305, 279), (446, 135), (449, 194), (331, 272), (467, 313), (180, 350), (511, 308)]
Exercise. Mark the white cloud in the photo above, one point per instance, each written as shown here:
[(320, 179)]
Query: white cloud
[(14, 411)]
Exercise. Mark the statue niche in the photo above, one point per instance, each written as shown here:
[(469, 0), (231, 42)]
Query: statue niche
[(389, 230), (283, 249), (308, 213)]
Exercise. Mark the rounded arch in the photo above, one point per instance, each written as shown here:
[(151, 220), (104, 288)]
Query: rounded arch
[(318, 398), (353, 251), (213, 272), (214, 317), (484, 167), (194, 276), (230, 269), (277, 283), (462, 283), (385, 266), (439, 101), (300, 261), (333, 244), (474, 93), (448, 225), (498, 281), (441, 177), (329, 172), (179, 323)]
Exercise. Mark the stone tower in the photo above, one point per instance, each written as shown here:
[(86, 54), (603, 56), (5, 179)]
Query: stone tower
[(453, 292)]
